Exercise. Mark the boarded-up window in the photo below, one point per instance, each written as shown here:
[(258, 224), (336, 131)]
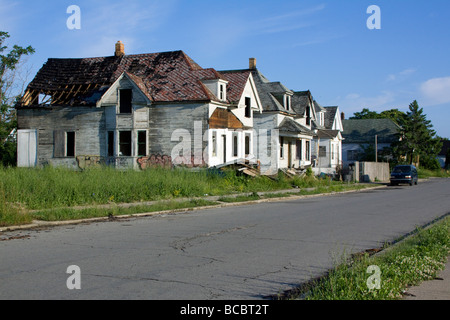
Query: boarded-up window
[(110, 143), (125, 143), (142, 143), (126, 96)]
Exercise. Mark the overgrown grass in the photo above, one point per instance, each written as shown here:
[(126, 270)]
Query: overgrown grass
[(414, 260), (440, 173), (23, 189), (56, 187)]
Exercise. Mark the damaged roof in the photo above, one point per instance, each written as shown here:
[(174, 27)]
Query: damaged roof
[(162, 77)]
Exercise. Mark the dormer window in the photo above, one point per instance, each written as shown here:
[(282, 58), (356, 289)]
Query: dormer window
[(248, 107), (125, 100), (287, 102), (308, 116), (221, 92)]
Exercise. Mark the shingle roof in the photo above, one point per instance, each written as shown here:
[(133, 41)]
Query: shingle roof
[(290, 125), (270, 93), (364, 130), (165, 77), (329, 116), (237, 79)]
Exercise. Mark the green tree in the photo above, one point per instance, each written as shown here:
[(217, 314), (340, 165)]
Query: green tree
[(418, 139), (399, 117), (365, 114), (9, 61)]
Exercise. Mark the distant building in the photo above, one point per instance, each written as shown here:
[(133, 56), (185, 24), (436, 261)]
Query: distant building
[(358, 134)]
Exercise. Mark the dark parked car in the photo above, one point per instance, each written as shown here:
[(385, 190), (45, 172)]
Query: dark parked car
[(404, 174)]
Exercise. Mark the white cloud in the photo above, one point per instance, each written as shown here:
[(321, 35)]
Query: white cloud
[(436, 91), (400, 75)]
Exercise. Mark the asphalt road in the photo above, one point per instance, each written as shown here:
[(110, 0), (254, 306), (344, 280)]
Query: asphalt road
[(245, 252)]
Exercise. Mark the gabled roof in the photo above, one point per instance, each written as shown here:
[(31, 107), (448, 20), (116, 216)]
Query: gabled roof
[(290, 125), (329, 116), (364, 130), (270, 93), (301, 100), (164, 77), (237, 79), (327, 134)]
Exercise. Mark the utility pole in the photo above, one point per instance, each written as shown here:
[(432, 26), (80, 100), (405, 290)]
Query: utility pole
[(376, 148)]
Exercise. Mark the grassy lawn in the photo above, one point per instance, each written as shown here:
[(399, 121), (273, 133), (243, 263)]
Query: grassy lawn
[(424, 173), (52, 193), (416, 259)]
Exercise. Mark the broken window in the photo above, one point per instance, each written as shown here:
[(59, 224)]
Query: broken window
[(70, 144), (281, 147), (110, 143), (64, 144), (125, 143), (248, 106), (287, 102), (125, 99), (142, 143)]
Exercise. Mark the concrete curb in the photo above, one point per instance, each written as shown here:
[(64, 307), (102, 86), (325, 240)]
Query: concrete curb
[(46, 224)]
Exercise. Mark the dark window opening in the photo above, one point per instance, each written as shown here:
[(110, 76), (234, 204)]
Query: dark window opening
[(142, 143), (247, 145), (70, 144), (308, 116), (308, 151), (299, 149), (235, 146), (248, 107), (281, 147), (222, 94), (125, 143), (322, 152), (110, 143), (126, 96)]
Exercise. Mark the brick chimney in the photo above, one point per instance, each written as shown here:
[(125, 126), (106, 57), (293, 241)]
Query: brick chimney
[(252, 63), (342, 116), (120, 49)]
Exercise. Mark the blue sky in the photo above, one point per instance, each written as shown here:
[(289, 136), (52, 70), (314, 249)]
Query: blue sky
[(322, 46)]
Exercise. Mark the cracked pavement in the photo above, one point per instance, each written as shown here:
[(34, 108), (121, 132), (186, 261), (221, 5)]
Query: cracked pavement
[(241, 252)]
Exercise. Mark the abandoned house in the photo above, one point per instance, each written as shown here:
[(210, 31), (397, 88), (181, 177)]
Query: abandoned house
[(327, 142), (135, 111), (283, 126)]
